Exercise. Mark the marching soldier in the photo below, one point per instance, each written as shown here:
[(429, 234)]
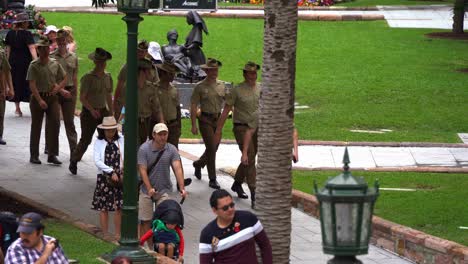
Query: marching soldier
[(169, 101), (244, 98), (69, 63), (96, 98), (208, 95), (46, 78)]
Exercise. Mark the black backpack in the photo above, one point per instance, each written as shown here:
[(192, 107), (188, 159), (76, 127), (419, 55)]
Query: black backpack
[(8, 227)]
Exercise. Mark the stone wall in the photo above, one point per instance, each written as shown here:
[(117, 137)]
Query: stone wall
[(404, 241)]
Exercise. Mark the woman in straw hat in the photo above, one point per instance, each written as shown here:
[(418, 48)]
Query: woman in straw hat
[(108, 157), (21, 51)]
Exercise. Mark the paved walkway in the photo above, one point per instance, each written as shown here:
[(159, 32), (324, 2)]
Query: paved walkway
[(433, 16), (57, 188)]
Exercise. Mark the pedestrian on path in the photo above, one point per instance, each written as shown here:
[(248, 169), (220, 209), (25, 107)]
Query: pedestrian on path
[(46, 78), (20, 50), (208, 97), (96, 98), (6, 89), (108, 157), (244, 98), (33, 246), (67, 101), (155, 157), (231, 237)]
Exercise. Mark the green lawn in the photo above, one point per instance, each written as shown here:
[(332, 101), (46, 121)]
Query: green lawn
[(352, 75), (437, 208), (76, 243), (363, 3)]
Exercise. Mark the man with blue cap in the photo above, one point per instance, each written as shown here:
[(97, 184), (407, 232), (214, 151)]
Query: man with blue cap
[(33, 246)]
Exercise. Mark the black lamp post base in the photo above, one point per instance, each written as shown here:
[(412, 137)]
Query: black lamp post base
[(344, 260), (137, 255)]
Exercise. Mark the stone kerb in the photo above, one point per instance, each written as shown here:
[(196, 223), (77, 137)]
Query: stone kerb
[(402, 240)]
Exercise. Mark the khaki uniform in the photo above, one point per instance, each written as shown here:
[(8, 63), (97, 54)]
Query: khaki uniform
[(4, 71), (210, 98), (148, 109), (123, 77), (45, 76), (244, 99), (97, 88), (70, 64), (169, 102)]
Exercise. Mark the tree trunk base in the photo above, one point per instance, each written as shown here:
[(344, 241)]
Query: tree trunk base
[(448, 35)]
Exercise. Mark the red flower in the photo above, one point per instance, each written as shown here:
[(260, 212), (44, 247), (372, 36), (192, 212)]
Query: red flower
[(236, 227)]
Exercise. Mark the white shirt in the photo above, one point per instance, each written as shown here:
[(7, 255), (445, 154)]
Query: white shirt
[(99, 151)]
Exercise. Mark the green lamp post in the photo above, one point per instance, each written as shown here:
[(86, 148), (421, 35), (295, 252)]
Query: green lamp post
[(346, 207), (129, 245)]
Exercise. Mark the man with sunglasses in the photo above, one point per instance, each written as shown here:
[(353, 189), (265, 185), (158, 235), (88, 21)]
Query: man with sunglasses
[(231, 237)]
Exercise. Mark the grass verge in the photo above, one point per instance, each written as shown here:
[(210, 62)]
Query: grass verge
[(76, 243), (352, 75), (437, 207)]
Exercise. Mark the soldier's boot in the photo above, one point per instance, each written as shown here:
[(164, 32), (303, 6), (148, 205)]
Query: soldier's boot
[(237, 188)]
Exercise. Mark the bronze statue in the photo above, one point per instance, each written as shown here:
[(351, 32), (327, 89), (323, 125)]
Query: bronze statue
[(194, 40), (172, 49)]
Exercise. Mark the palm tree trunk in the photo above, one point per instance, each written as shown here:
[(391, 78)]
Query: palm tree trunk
[(276, 116), (458, 16)]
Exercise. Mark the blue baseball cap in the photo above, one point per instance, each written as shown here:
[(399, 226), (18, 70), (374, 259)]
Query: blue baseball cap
[(29, 222)]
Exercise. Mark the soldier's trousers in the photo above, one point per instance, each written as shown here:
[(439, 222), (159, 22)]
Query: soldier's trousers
[(2, 115), (207, 128), (246, 173), (88, 126), (174, 132), (144, 129), (52, 122)]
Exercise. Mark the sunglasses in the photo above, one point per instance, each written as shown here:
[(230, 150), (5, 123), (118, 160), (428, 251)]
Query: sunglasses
[(226, 207)]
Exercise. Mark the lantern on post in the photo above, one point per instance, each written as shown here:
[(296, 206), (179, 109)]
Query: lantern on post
[(132, 6), (346, 208), (129, 243)]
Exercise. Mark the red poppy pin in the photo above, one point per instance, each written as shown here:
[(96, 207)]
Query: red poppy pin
[(237, 227)]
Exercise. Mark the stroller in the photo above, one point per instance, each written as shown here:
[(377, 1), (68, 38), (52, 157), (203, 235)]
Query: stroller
[(168, 211)]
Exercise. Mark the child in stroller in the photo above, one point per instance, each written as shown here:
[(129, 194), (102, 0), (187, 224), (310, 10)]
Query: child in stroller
[(166, 231)]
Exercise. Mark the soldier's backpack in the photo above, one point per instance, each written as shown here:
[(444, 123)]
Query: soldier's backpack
[(8, 227)]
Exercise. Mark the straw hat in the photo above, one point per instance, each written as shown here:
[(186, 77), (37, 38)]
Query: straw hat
[(22, 17), (251, 66), (211, 64), (100, 54), (108, 122), (167, 67)]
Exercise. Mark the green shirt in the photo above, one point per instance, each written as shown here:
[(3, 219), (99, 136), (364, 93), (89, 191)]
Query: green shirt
[(159, 225), (148, 101), (123, 78), (210, 97), (97, 88), (244, 99), (69, 63), (45, 75), (169, 100)]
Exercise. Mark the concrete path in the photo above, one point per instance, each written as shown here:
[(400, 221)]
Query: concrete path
[(433, 16), (56, 187), (316, 157)]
